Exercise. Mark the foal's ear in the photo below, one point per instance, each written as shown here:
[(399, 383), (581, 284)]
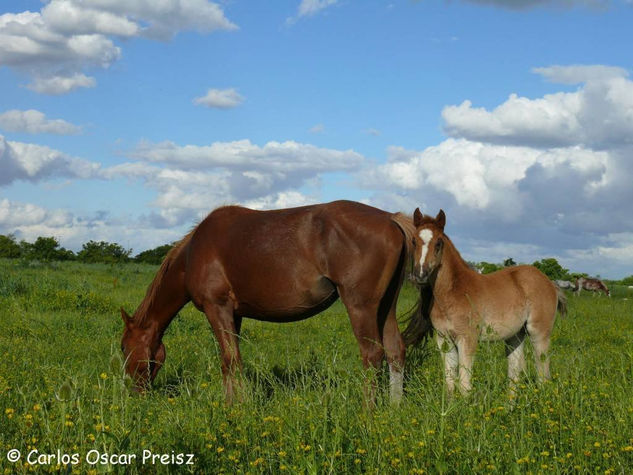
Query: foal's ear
[(417, 217), (125, 317), (440, 219)]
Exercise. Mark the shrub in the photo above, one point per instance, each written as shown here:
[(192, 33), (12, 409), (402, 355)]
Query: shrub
[(552, 269), (102, 251), (9, 247), (154, 256)]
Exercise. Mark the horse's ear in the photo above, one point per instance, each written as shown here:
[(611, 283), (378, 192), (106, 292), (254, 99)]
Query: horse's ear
[(126, 318), (440, 219), (417, 217)]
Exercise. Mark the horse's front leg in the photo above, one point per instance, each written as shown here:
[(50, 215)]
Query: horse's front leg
[(450, 358), (226, 328)]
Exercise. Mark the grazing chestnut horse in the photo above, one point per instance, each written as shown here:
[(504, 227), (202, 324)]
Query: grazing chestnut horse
[(465, 306), (279, 266), (593, 285)]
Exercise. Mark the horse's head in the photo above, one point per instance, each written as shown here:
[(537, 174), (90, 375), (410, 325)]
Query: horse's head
[(429, 243), (143, 356)]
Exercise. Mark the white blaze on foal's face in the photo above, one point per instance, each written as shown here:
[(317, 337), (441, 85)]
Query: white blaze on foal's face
[(425, 235)]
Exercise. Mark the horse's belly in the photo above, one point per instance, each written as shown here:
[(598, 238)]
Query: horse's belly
[(297, 302)]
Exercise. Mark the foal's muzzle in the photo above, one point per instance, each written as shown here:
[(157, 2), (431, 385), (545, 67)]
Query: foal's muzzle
[(419, 279)]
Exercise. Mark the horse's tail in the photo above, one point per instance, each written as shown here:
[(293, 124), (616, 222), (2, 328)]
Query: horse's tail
[(561, 306), (405, 223), (418, 319)]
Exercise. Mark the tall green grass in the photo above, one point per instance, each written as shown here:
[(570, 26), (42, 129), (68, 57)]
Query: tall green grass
[(62, 387)]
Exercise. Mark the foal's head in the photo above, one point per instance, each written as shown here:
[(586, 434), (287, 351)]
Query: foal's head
[(429, 244), (143, 355)]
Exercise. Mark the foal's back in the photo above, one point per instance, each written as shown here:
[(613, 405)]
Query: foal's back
[(512, 297)]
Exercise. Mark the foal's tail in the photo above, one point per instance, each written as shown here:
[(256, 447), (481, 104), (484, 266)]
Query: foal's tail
[(562, 302)]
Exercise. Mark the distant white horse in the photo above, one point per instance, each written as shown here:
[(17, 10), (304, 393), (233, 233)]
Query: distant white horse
[(565, 284)]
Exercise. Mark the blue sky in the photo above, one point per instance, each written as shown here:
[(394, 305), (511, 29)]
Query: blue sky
[(129, 120)]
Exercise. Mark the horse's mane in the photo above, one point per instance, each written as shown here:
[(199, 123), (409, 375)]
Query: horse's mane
[(141, 312)]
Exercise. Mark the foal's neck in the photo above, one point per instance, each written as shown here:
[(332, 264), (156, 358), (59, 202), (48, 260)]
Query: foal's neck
[(453, 271)]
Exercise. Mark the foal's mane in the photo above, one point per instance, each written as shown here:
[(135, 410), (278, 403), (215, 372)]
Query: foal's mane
[(141, 312)]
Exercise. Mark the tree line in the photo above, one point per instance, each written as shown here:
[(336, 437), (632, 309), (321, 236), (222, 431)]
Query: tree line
[(48, 249), (548, 266)]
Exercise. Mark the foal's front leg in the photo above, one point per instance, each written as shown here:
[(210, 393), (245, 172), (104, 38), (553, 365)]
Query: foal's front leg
[(466, 348), (448, 350)]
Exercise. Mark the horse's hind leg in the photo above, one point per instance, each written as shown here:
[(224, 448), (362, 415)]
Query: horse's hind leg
[(516, 359), (363, 316), (221, 318), (395, 350)]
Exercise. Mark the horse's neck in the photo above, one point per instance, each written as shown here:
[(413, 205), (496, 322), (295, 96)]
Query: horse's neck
[(164, 298)]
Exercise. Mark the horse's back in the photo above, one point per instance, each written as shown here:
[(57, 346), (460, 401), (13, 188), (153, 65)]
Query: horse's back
[(287, 264)]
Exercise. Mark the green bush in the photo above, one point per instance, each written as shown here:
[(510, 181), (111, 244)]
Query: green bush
[(552, 269), (102, 251), (9, 247), (154, 256)]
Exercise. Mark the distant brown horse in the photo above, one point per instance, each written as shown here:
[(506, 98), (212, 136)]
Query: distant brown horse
[(465, 306), (592, 285), (279, 266)]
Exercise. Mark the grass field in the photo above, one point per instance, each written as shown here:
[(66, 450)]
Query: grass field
[(61, 389)]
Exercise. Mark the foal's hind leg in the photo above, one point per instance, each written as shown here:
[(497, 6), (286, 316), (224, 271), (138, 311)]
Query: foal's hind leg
[(540, 337), (516, 359), (221, 318)]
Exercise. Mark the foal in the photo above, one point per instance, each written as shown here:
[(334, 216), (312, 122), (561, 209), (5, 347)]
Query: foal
[(465, 307)]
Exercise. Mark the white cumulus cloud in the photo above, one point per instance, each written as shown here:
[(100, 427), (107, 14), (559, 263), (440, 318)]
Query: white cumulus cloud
[(220, 99), (547, 176), (31, 162), (57, 45), (190, 180), (35, 122), (599, 115)]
